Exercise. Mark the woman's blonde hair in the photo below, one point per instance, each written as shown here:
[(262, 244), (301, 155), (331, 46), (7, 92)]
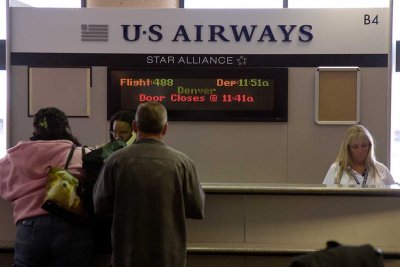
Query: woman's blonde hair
[(344, 160)]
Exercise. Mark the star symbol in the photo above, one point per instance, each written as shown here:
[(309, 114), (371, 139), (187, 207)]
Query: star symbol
[(242, 61)]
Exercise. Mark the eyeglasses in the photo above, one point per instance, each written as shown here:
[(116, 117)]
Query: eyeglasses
[(121, 133)]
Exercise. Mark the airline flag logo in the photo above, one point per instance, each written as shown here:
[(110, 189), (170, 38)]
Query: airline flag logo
[(94, 32)]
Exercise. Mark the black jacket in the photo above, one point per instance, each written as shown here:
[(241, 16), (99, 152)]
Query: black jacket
[(341, 256)]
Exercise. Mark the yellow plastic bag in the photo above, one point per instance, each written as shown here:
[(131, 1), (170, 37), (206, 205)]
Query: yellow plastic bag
[(62, 190), (62, 194)]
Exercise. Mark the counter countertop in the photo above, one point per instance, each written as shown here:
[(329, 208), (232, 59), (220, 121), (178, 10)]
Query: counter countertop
[(298, 189)]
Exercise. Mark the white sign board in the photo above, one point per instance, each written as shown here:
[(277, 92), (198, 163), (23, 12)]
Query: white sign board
[(200, 31)]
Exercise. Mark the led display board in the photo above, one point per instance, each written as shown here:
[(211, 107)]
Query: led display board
[(203, 94)]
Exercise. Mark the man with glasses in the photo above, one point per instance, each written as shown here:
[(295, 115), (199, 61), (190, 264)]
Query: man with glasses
[(121, 127)]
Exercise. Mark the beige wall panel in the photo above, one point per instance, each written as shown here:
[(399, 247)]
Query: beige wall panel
[(233, 151), (7, 226), (90, 131), (374, 108), (307, 222), (223, 221), (264, 153), (65, 88), (133, 3), (312, 148), (20, 123)]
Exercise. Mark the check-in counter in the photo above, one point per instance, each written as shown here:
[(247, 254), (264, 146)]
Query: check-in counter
[(249, 225), (269, 224)]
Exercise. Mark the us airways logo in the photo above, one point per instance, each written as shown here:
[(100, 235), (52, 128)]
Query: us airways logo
[(221, 33)]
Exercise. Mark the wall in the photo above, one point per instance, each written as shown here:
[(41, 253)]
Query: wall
[(299, 151)]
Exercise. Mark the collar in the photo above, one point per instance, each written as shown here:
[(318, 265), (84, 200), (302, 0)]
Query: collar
[(149, 141), (131, 140)]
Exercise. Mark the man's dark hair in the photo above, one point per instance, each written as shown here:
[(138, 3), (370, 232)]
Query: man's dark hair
[(151, 117), (52, 124)]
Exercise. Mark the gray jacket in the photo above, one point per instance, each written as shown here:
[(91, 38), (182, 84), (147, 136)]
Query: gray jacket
[(150, 189)]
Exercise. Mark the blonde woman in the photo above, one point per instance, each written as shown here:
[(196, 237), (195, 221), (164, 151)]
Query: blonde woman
[(356, 164)]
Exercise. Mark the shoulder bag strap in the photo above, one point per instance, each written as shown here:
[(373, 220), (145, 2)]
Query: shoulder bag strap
[(71, 153), (83, 151)]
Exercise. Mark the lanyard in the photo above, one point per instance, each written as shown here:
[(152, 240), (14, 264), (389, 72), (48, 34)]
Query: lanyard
[(364, 175)]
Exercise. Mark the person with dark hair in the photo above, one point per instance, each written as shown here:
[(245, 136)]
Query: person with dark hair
[(149, 189), (43, 239), (121, 126), (52, 124), (121, 135)]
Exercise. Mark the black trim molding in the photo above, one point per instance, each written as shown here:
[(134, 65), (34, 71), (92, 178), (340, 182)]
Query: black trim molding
[(199, 60), (2, 54), (397, 56)]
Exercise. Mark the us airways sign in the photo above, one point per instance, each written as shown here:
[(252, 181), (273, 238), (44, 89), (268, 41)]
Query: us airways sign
[(221, 33), (197, 31)]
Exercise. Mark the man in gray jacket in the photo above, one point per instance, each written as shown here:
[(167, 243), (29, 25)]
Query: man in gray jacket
[(149, 189)]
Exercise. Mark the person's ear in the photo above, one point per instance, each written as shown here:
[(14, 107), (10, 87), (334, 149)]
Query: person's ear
[(134, 126), (164, 131)]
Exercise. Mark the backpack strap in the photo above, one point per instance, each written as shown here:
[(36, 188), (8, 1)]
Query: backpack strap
[(71, 153)]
